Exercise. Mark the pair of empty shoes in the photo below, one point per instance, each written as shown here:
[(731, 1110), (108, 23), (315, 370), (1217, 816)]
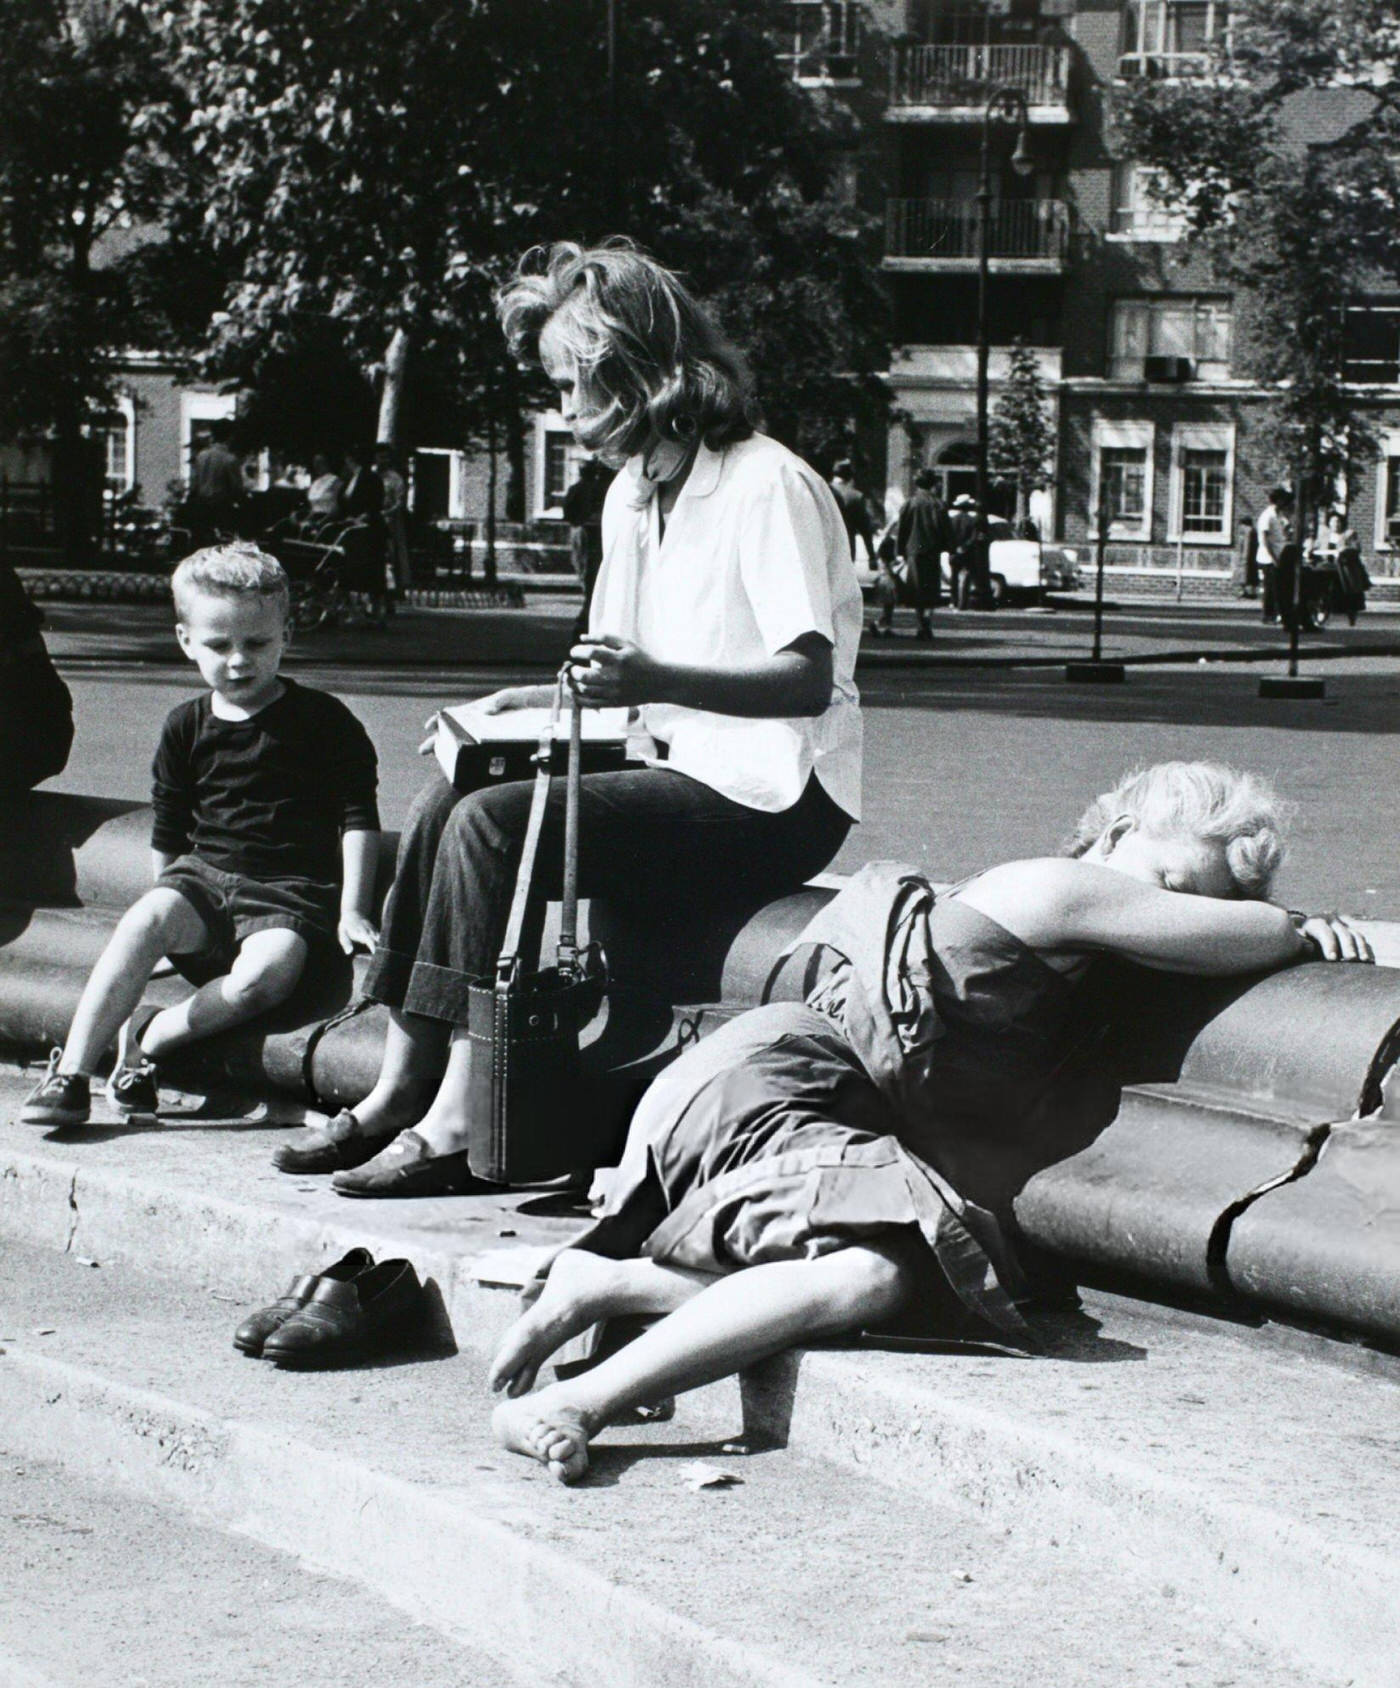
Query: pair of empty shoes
[(66, 1098), (397, 1164), (353, 1311)]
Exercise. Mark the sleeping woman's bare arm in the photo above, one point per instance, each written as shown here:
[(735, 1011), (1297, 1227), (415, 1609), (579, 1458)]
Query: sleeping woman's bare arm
[(1060, 905)]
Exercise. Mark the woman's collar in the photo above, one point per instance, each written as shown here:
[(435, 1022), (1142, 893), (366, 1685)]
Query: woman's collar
[(699, 483)]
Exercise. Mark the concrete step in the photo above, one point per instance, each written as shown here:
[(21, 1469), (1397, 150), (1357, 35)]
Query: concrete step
[(796, 1576), (1252, 1468), (104, 1589)]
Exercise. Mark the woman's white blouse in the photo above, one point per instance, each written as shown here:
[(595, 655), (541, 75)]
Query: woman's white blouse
[(755, 554)]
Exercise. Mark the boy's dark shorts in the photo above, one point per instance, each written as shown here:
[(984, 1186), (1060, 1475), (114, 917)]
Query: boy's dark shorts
[(233, 907)]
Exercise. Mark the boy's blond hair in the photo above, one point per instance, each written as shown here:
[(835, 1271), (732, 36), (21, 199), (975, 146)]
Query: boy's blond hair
[(239, 570), (1198, 800)]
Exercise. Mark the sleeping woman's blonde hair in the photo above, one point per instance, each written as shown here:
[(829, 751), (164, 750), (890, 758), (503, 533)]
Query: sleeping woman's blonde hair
[(651, 363), (1198, 800)]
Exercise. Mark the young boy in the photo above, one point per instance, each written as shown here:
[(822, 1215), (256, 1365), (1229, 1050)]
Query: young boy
[(266, 840)]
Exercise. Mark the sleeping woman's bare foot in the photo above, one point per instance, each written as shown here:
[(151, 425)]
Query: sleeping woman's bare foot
[(547, 1428), (579, 1290)]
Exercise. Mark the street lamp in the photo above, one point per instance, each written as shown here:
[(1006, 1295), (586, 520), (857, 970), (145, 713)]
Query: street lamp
[(1005, 104)]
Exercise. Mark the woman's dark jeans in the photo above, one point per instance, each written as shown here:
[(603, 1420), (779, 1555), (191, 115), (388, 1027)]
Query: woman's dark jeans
[(644, 833)]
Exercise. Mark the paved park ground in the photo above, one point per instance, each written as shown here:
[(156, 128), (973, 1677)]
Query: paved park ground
[(977, 747)]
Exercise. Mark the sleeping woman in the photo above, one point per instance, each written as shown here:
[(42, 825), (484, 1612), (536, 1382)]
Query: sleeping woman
[(795, 1175)]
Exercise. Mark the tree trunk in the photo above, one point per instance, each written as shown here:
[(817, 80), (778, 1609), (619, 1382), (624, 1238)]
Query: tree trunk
[(391, 394)]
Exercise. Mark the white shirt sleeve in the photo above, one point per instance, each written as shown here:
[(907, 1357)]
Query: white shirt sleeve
[(785, 537)]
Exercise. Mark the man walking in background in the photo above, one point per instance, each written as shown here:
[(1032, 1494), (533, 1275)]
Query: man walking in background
[(854, 511), (920, 541), (1273, 530)]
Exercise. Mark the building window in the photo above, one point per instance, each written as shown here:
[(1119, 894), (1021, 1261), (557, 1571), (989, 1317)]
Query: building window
[(116, 433), (1171, 37), (1387, 536), (1203, 487), (1173, 338), (1138, 214), (1123, 484), (819, 40), (556, 469), (1122, 479), (1371, 344), (1203, 474)]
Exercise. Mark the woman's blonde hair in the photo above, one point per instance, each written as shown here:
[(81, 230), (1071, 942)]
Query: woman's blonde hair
[(1198, 800), (651, 363)]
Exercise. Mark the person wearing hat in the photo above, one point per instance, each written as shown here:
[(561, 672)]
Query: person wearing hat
[(920, 540), (964, 544)]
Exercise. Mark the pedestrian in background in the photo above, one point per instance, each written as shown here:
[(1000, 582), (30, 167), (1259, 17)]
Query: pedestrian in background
[(324, 493), (920, 541), (854, 510), (363, 505), (1273, 528), (963, 546), (395, 517), (216, 490)]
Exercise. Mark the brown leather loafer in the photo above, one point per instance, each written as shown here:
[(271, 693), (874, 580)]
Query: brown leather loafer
[(377, 1313), (407, 1167), (336, 1146), (257, 1327)]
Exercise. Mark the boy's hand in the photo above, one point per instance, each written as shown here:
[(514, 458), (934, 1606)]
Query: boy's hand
[(356, 929)]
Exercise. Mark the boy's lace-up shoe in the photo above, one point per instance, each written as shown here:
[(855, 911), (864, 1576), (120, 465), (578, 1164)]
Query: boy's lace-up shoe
[(58, 1098), (134, 1090)]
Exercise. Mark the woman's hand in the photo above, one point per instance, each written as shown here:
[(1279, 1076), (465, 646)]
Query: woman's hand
[(430, 727), (608, 672), (1332, 937), (518, 697)]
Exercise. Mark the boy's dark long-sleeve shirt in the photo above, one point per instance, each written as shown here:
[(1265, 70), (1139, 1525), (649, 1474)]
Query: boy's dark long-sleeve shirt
[(268, 797)]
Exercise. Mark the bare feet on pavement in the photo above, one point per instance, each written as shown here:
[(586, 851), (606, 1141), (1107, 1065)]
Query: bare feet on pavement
[(545, 1427)]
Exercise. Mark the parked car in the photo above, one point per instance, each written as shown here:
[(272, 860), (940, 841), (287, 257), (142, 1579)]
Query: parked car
[(1024, 570)]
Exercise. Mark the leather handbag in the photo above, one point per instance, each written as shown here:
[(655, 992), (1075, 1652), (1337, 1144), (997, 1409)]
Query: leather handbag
[(530, 1115)]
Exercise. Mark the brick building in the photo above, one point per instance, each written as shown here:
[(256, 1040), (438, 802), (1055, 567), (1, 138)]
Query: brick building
[(1139, 343)]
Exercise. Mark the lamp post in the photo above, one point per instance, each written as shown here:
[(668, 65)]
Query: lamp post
[(1006, 103)]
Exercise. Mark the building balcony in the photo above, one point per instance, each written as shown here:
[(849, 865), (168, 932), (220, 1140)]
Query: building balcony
[(939, 236), (950, 84)]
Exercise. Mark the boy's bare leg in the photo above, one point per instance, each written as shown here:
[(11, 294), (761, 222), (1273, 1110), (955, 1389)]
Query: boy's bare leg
[(160, 923), (415, 1050), (732, 1323), (264, 973), (581, 1289)]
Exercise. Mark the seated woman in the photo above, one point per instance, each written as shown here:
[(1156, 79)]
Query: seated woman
[(726, 614), (796, 1174)]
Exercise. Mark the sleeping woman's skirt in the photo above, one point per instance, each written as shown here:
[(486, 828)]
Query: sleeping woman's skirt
[(769, 1141)]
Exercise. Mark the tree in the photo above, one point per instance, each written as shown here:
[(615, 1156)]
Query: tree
[(88, 118), (1020, 434), (378, 165), (1285, 162)]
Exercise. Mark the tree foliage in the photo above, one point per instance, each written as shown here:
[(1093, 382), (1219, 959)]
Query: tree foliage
[(1285, 161), (88, 119), (1020, 433), (378, 165)]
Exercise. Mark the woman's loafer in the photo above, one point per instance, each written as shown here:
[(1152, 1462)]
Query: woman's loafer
[(376, 1313), (408, 1167), (253, 1333), (337, 1146)]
